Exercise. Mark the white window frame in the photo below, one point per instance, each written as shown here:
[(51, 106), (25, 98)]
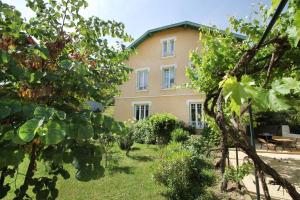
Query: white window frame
[(146, 81), (163, 68), (198, 124), (169, 53), (139, 105)]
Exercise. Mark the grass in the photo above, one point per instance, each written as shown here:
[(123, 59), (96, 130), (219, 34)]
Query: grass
[(129, 180)]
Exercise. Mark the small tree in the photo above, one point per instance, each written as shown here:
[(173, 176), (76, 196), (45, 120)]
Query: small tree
[(50, 67), (231, 70)]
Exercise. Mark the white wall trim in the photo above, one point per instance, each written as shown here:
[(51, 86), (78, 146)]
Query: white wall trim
[(168, 66), (193, 101), (142, 69), (141, 102), (167, 39)]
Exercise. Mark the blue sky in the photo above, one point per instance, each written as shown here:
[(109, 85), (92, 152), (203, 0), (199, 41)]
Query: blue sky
[(142, 15)]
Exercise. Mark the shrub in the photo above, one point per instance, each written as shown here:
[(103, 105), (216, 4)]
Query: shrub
[(181, 124), (163, 125), (232, 174), (186, 175), (211, 133), (143, 132), (126, 141), (197, 145), (157, 129), (179, 135)]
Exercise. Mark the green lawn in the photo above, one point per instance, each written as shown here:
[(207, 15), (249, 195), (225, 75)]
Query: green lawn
[(130, 179)]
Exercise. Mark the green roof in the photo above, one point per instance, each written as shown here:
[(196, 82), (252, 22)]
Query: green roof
[(185, 24)]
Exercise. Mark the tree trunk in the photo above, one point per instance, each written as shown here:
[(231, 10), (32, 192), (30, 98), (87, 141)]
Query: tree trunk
[(224, 146), (261, 165), (264, 185), (29, 174)]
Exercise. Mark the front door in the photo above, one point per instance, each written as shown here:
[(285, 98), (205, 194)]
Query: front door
[(196, 115)]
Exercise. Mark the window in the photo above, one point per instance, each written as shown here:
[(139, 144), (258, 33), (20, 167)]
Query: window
[(141, 111), (168, 47), (142, 77), (196, 115), (168, 75)]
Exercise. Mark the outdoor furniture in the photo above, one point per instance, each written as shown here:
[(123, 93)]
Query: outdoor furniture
[(266, 136), (296, 144), (284, 141), (263, 142)]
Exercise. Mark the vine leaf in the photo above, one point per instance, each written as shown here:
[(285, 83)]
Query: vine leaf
[(28, 130), (54, 133), (4, 111)]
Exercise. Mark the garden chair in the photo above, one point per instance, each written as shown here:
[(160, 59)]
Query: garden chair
[(263, 142), (298, 144)]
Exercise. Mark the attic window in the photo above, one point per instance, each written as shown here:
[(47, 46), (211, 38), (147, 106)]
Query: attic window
[(168, 47)]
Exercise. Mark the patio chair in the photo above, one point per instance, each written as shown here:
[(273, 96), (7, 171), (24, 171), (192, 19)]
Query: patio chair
[(263, 142), (298, 144)]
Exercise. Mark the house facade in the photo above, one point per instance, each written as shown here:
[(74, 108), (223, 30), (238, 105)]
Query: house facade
[(156, 84)]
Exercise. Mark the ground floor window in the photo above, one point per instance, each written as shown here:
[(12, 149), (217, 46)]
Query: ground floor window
[(196, 115), (141, 111)]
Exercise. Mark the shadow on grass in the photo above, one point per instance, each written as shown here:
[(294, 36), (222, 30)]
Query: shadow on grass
[(135, 149), (123, 169), (141, 158)]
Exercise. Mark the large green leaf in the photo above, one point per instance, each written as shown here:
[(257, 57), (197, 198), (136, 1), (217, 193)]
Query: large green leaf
[(11, 155), (238, 92), (80, 130), (28, 130), (286, 85), (44, 112), (55, 133), (4, 111)]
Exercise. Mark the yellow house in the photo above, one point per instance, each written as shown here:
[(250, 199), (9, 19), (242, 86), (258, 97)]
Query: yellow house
[(159, 65)]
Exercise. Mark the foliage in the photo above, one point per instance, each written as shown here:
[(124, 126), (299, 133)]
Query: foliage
[(157, 128), (211, 133), (238, 73), (186, 176), (237, 174), (126, 139), (179, 135), (163, 125), (143, 132), (51, 65)]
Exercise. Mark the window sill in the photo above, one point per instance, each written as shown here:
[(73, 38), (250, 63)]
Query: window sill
[(165, 57), (171, 88), (142, 90)]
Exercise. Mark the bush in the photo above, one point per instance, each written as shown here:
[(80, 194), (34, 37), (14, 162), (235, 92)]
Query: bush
[(143, 132), (157, 129), (185, 175), (163, 125), (232, 174), (179, 135), (126, 141), (197, 145), (181, 124), (211, 133)]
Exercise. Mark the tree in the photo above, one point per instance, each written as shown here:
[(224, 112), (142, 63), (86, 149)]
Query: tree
[(231, 71), (51, 65)]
